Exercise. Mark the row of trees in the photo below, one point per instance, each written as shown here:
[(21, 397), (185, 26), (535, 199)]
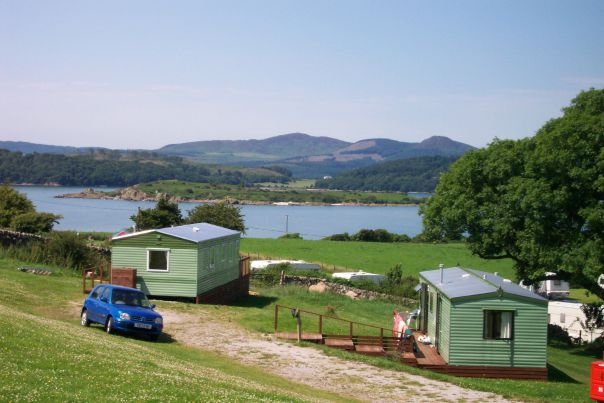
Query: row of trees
[(166, 213), (371, 235), (538, 201), (91, 170), (418, 174)]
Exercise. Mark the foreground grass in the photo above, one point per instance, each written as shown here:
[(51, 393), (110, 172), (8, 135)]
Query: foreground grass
[(46, 355), (375, 257)]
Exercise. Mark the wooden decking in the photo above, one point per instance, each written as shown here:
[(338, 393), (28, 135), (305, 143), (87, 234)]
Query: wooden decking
[(426, 355), (408, 350)]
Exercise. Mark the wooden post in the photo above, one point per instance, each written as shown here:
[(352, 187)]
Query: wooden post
[(321, 324), (382, 336), (282, 278), (276, 318), (299, 325), (350, 329)]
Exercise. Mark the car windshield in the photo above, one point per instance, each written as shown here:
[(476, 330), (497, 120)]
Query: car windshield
[(132, 298)]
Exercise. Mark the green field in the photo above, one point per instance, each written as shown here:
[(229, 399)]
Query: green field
[(380, 257), (206, 191), (375, 257)]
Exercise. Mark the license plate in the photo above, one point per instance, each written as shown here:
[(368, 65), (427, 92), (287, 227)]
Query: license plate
[(143, 325)]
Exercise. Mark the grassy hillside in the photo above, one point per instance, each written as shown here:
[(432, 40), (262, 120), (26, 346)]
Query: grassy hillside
[(47, 356), (375, 257)]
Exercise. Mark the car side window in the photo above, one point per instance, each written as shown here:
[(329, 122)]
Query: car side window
[(95, 293), (106, 294), (99, 292)]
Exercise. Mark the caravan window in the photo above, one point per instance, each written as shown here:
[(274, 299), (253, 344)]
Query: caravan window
[(158, 260), (498, 325)]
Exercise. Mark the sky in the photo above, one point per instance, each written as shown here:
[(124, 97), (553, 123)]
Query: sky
[(143, 74)]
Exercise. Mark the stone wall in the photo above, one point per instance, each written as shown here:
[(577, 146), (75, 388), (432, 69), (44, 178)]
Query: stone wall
[(350, 291)]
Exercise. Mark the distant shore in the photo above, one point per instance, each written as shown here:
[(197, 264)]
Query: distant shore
[(130, 194)]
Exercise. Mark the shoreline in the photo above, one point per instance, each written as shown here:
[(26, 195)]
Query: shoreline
[(144, 197)]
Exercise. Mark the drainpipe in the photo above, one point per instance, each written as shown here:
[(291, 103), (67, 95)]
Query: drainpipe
[(442, 272)]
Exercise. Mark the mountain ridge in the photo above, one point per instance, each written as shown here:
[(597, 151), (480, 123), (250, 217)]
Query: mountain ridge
[(305, 155)]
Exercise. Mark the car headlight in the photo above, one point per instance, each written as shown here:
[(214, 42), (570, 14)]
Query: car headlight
[(124, 316), (159, 320)]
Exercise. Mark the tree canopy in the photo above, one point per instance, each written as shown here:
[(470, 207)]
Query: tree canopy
[(17, 212), (419, 174), (221, 214), (538, 201), (165, 214), (116, 169)]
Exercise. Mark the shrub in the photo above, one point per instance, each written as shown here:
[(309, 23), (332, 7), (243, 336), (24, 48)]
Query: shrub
[(338, 237), (34, 223), (68, 249), (64, 249), (291, 235), (557, 335), (370, 235)]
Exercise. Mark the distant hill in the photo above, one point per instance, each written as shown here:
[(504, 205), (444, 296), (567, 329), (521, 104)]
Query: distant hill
[(28, 148), (270, 149), (309, 156), (419, 174), (367, 152), (304, 155)]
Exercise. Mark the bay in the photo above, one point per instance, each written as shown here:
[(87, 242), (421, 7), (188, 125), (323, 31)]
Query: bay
[(312, 222)]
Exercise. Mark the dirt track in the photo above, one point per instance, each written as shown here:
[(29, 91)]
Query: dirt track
[(312, 367)]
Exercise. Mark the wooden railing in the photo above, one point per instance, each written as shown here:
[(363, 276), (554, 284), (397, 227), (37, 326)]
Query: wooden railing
[(91, 275), (387, 338)]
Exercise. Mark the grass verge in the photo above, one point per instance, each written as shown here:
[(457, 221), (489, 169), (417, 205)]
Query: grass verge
[(47, 356)]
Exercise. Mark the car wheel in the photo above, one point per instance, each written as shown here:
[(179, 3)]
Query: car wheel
[(154, 337), (84, 318), (109, 326)]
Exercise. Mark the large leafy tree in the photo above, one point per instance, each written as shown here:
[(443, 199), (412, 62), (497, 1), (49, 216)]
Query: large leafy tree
[(222, 214), (17, 212), (165, 214), (537, 201)]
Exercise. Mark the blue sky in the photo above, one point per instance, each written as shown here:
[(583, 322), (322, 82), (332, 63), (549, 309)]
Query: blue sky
[(142, 74)]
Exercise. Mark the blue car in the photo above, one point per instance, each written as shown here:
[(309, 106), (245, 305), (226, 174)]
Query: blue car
[(120, 308)]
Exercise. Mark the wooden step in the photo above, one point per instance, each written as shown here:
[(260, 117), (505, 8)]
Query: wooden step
[(409, 359), (314, 337), (369, 350), (345, 344)]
